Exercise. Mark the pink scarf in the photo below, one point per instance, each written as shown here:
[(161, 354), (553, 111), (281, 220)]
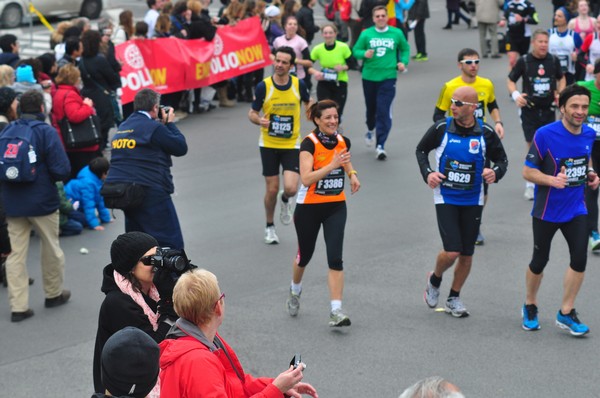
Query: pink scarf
[(128, 289)]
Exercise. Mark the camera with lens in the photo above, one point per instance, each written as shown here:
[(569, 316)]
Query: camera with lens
[(172, 260), (163, 113)]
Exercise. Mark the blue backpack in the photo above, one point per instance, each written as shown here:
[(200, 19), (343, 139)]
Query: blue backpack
[(18, 160)]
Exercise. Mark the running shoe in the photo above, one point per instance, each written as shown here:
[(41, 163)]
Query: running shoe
[(595, 241), (432, 293), (418, 55), (293, 303), (285, 216), (529, 312), (270, 236), (381, 155), (528, 193), (456, 308), (571, 323), (369, 139), (337, 318), (480, 239), (421, 58)]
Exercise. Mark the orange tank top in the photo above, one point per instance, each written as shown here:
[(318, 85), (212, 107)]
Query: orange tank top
[(331, 187)]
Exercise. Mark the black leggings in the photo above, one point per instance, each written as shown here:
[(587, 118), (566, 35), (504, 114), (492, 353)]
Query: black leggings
[(308, 219), (574, 232)]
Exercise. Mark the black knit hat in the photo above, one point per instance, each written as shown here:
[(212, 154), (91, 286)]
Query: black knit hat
[(130, 363), (128, 248), (7, 96)]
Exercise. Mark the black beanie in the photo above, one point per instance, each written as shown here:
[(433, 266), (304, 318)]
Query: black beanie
[(128, 248), (7, 96), (130, 363)]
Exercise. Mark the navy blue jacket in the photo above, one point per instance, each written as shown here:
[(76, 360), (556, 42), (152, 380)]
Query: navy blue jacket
[(9, 59), (141, 152), (40, 197)]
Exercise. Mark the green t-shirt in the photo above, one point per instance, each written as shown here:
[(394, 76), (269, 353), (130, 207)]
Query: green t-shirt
[(594, 111), (330, 58), (390, 48)]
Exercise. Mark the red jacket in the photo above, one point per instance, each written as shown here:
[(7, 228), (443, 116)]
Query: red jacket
[(189, 369), (67, 100)]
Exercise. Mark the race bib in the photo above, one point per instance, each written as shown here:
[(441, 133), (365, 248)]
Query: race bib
[(330, 75), (576, 170), (332, 184), (594, 123), (541, 87), (459, 175), (564, 62), (281, 126), (479, 112)]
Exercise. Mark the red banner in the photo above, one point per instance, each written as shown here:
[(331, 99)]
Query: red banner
[(170, 64)]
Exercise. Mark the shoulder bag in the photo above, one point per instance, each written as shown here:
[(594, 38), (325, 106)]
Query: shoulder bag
[(79, 135)]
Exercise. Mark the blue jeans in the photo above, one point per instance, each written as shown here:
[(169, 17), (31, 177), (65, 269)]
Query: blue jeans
[(156, 217), (74, 224), (378, 100)]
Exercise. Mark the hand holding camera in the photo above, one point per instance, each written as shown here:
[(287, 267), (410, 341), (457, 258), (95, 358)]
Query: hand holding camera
[(166, 114)]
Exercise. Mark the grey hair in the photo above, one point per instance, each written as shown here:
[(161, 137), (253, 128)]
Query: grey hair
[(431, 387), (145, 100)]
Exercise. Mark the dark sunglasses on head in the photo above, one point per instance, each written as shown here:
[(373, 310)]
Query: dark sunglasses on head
[(470, 61), (461, 103)]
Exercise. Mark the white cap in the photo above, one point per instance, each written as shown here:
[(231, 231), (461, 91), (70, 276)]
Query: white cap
[(272, 11)]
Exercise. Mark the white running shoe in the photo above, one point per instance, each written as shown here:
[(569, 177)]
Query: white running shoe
[(285, 216), (380, 155), (270, 236), (528, 195), (369, 139)]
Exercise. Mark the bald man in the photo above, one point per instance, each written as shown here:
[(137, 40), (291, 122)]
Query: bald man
[(461, 143)]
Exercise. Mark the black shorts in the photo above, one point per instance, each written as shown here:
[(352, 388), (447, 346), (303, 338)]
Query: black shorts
[(272, 159), (534, 118), (575, 233), (458, 227), (518, 44)]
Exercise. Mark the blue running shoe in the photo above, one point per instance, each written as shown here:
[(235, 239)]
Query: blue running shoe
[(530, 317), (595, 242), (571, 323)]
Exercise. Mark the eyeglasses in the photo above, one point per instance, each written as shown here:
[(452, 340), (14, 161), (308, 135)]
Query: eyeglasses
[(221, 297), (470, 61), (461, 103)]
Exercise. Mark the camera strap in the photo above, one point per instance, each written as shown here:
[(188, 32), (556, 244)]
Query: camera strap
[(219, 344)]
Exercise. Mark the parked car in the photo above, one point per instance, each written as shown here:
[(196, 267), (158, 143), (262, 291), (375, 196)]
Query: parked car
[(13, 12)]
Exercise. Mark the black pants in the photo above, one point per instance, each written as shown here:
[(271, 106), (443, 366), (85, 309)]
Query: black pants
[(79, 160), (420, 37), (336, 91)]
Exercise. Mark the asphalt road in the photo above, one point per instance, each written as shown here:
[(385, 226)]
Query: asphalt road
[(391, 243)]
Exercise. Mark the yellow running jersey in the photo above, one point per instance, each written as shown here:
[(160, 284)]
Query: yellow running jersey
[(483, 86), (282, 108)]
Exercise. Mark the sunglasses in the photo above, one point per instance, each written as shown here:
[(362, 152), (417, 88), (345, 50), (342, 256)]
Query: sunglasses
[(470, 61), (461, 103)]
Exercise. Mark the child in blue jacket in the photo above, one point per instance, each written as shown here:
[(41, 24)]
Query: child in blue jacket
[(86, 189)]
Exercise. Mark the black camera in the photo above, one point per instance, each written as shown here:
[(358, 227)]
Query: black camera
[(163, 112), (169, 259)]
